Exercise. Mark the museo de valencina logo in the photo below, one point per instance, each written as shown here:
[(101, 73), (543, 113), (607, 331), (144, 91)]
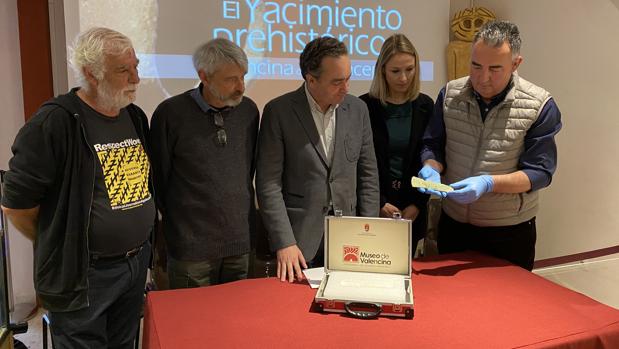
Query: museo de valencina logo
[(351, 254), (354, 255)]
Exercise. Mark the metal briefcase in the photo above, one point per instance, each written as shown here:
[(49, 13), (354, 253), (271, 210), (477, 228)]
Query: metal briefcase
[(367, 267)]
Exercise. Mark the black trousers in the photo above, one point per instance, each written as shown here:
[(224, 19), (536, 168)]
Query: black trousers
[(319, 258), (514, 243), (116, 296)]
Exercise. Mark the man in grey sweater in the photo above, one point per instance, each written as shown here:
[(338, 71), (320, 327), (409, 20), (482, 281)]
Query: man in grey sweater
[(203, 158)]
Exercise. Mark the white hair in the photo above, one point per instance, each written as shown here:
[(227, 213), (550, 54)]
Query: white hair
[(90, 49), (210, 56)]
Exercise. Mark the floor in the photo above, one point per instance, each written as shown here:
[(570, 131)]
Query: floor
[(33, 338), (596, 278)]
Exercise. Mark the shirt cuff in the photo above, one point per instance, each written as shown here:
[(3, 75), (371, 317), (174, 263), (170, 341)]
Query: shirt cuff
[(538, 179), (428, 155)]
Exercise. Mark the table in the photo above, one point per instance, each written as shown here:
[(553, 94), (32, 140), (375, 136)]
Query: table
[(465, 300)]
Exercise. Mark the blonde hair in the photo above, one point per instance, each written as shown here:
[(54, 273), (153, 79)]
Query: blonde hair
[(91, 47), (396, 43)]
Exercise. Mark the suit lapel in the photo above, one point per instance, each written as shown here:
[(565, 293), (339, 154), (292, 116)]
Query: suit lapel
[(341, 126), (302, 110)]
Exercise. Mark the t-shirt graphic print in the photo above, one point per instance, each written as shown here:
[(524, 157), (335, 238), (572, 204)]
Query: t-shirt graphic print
[(125, 168)]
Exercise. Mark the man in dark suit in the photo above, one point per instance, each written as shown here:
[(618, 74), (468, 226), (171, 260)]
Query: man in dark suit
[(315, 157)]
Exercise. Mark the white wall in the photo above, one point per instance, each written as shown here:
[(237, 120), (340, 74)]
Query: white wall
[(10, 84), (571, 47), (11, 119), (431, 37)]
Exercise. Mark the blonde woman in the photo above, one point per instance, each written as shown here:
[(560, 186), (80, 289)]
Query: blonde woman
[(399, 114)]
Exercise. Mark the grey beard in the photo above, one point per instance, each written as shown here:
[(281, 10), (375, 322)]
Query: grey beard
[(228, 101), (110, 100)]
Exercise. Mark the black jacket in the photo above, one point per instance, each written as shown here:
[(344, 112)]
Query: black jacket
[(53, 167), (422, 108)]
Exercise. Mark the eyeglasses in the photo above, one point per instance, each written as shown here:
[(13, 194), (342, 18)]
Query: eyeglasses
[(221, 137)]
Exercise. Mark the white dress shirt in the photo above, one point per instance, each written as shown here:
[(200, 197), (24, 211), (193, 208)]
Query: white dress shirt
[(325, 124)]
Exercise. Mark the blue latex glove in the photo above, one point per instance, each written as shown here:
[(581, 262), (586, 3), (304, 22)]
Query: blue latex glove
[(470, 189), (428, 173)]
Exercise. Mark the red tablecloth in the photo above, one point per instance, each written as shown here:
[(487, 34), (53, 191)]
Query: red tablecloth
[(461, 301)]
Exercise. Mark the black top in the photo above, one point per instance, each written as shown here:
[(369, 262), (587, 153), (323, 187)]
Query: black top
[(421, 111), (204, 184), (122, 207), (399, 118)]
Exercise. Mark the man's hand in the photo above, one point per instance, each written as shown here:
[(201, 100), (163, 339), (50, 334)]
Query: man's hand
[(428, 173), (470, 189), (289, 262), (410, 212), (388, 210)]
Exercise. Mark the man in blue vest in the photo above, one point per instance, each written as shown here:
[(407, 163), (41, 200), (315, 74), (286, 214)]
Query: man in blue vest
[(492, 139)]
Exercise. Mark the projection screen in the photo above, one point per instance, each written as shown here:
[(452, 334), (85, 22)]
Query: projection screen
[(273, 33)]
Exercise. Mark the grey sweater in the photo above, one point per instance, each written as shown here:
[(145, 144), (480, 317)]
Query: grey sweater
[(204, 190)]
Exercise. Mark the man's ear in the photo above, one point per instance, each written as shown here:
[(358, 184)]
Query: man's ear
[(309, 79), (202, 75), (90, 77), (516, 63)]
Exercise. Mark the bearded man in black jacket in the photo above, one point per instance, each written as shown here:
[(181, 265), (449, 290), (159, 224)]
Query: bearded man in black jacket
[(79, 186)]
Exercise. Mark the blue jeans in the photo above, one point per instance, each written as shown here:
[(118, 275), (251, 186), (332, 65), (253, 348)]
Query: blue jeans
[(115, 296)]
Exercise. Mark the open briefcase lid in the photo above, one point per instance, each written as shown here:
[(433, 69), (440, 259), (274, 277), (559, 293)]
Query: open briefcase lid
[(371, 245), (367, 267)]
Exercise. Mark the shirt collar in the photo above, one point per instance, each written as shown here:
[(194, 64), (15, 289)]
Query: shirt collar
[(314, 105), (196, 94), (498, 98)]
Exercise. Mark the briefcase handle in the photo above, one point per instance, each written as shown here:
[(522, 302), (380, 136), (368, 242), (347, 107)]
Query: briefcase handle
[(363, 310)]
